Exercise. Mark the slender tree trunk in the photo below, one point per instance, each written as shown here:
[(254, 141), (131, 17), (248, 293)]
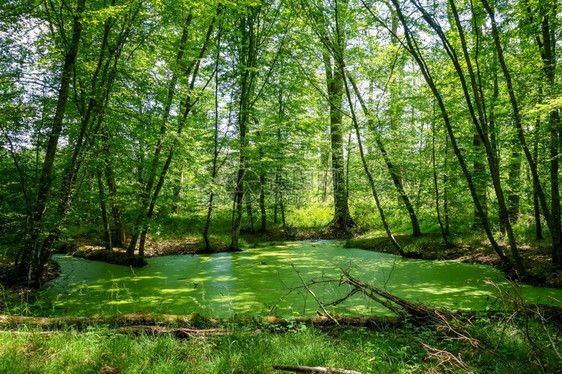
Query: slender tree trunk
[(549, 58), (119, 236), (29, 259), (556, 231), (145, 194), (250, 212), (189, 101), (104, 215), (334, 81), (514, 183), (263, 212), (394, 173), (368, 171), (394, 119), (282, 206), (413, 49), (276, 199), (477, 115), (553, 220), (247, 28), (278, 192), (445, 187), (536, 204), (435, 179), (480, 179), (347, 162), (214, 165), (178, 193)]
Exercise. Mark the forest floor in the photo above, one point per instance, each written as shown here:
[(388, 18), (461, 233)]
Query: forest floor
[(510, 343)]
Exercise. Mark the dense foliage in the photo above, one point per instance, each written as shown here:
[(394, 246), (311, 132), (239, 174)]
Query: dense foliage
[(121, 120)]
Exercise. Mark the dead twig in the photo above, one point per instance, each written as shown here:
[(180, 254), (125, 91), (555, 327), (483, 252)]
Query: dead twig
[(314, 296), (314, 369), (445, 357), (181, 333)]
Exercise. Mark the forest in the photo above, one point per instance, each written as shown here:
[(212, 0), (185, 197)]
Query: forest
[(345, 186)]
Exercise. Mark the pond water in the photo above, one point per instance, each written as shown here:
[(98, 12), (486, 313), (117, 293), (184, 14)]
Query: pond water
[(261, 280)]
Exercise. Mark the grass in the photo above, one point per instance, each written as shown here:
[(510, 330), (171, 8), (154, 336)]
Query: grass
[(243, 351), (247, 349)]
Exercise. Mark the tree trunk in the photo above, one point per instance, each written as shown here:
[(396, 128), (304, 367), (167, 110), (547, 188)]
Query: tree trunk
[(263, 226), (536, 204), (364, 162), (29, 258), (445, 187), (263, 212), (140, 221), (334, 81), (514, 184), (480, 178), (250, 211), (549, 58), (282, 206), (435, 180), (247, 29), (556, 231), (178, 193), (477, 115), (214, 164), (119, 235), (333, 56), (413, 49), (192, 72), (394, 173), (104, 215), (548, 62)]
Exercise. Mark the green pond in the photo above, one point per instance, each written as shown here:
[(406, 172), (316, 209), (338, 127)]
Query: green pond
[(261, 280)]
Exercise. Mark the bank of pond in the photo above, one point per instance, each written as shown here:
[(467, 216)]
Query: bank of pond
[(263, 281)]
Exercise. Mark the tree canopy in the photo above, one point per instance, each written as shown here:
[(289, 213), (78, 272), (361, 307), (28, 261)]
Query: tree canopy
[(121, 120)]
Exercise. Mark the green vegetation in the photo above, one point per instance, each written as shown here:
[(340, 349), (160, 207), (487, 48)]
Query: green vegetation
[(231, 130), (247, 348)]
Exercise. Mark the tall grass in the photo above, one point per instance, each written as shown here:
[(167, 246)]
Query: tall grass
[(249, 349)]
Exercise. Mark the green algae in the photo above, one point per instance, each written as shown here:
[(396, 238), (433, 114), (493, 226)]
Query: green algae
[(260, 281)]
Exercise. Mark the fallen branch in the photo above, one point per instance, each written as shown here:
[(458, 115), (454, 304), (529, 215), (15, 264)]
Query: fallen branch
[(417, 312), (27, 333), (445, 357), (314, 296), (314, 369), (180, 333)]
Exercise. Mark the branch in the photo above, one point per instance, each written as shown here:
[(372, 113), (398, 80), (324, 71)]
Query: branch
[(314, 296), (313, 369)]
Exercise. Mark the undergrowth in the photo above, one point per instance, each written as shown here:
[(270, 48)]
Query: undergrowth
[(250, 349)]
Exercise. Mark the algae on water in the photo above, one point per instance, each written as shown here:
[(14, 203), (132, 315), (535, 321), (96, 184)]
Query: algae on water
[(259, 281)]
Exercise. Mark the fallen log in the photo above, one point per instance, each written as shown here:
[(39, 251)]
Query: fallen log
[(180, 333), (27, 333), (314, 369), (188, 321), (139, 318)]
